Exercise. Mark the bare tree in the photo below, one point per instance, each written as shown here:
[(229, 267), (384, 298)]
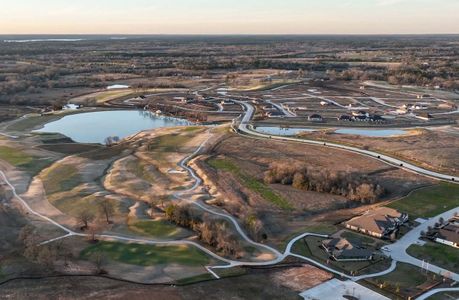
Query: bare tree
[(99, 260), (85, 216), (107, 209)]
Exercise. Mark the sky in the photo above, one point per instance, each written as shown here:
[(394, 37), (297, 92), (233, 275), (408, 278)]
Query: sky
[(229, 16)]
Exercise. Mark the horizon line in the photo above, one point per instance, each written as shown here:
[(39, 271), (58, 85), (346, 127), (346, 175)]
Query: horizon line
[(236, 34)]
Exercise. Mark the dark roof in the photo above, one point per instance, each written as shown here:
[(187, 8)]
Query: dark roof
[(341, 248), (344, 117)]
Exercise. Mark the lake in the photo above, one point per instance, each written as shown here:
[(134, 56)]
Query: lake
[(95, 127)]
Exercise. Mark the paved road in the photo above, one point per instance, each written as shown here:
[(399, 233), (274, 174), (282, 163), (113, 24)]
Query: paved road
[(287, 113), (397, 250), (245, 128), (436, 291)]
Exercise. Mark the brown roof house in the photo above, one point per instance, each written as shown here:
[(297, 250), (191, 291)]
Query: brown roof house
[(380, 222), (341, 249), (449, 235)]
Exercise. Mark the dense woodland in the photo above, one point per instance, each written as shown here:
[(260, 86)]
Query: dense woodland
[(31, 69)]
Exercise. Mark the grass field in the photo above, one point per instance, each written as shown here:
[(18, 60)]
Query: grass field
[(139, 168), (311, 247), (70, 148), (441, 255), (22, 160), (250, 182), (14, 156), (155, 228), (404, 280), (103, 153), (60, 177), (148, 255), (357, 238), (429, 202), (168, 143)]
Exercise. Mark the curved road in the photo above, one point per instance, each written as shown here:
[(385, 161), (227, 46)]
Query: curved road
[(249, 111)]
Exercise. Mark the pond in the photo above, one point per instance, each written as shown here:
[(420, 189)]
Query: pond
[(284, 131), (369, 132), (95, 127)]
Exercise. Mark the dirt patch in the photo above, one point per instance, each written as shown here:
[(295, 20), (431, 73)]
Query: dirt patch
[(302, 278)]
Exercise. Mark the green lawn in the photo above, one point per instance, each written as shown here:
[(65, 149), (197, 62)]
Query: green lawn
[(321, 229), (60, 177), (168, 143), (72, 203), (30, 122), (139, 168), (148, 255), (430, 201), (357, 238), (404, 276), (14, 156), (70, 148), (103, 153), (311, 247), (156, 228), (22, 160), (441, 255), (250, 182)]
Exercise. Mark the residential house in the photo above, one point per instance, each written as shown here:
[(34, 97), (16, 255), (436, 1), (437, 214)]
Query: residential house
[(376, 118), (424, 116), (345, 118), (315, 118), (341, 249), (449, 233), (360, 118), (360, 113), (380, 222)]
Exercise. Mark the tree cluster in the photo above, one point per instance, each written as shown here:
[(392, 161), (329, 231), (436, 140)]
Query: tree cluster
[(214, 234), (353, 186)]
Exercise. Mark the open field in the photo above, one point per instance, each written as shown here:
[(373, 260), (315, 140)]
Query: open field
[(430, 149), (147, 255), (235, 168), (256, 285), (430, 201), (23, 160), (441, 255), (405, 281), (157, 228), (250, 182)]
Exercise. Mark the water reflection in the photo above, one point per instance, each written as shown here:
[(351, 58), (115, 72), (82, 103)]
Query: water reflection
[(95, 127)]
